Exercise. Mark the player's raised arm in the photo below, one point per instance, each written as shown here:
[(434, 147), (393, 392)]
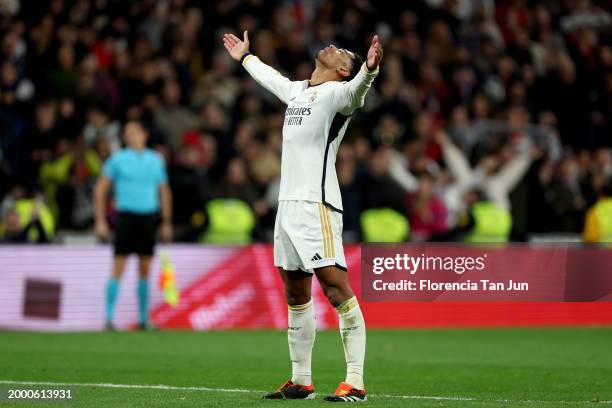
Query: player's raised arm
[(356, 89), (267, 76)]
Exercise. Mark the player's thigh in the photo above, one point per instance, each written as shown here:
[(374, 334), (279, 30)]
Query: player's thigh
[(333, 276), (316, 232), (285, 254), (298, 286)]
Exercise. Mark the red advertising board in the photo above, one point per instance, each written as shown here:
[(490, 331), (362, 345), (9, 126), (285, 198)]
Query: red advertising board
[(245, 291)]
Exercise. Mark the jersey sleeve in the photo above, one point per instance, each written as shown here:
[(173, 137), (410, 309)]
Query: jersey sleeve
[(351, 95), (270, 78)]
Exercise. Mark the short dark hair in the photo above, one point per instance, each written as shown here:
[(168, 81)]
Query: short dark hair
[(357, 61)]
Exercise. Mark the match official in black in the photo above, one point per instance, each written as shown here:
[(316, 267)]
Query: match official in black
[(138, 176)]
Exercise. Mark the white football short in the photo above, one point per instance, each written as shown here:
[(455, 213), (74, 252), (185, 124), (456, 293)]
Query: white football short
[(307, 235)]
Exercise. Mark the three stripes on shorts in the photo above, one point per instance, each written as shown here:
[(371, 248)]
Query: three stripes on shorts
[(326, 231)]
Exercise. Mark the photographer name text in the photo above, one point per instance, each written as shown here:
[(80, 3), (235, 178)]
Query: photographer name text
[(428, 285)]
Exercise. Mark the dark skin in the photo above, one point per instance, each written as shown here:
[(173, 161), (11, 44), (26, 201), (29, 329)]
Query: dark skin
[(333, 281), (331, 64)]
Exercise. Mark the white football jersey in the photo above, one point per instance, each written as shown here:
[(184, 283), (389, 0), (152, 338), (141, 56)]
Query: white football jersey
[(315, 122)]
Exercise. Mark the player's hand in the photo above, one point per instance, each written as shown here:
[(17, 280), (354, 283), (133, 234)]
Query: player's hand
[(166, 232), (102, 230), (236, 47), (375, 54)]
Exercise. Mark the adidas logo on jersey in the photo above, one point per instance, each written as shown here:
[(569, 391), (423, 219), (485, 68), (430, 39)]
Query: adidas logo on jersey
[(316, 257)]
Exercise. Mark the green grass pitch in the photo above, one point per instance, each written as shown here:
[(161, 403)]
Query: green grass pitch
[(414, 368)]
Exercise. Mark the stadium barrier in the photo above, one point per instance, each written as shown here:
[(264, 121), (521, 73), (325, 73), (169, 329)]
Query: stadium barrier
[(61, 288)]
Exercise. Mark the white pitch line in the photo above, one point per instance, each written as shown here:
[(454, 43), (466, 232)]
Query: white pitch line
[(426, 397), (241, 390)]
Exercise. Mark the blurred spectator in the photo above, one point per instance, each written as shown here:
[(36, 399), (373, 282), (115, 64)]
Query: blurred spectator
[(379, 189), (522, 89), (100, 126), (23, 223), (40, 141), (564, 195), (236, 183), (14, 234), (496, 173), (483, 221), (350, 191), (427, 213), (173, 119), (598, 222)]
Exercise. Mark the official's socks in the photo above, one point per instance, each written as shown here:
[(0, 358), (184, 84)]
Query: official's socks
[(112, 290), (143, 301)]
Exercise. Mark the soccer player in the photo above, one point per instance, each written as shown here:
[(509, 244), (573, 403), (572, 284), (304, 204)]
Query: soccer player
[(139, 177), (308, 229)]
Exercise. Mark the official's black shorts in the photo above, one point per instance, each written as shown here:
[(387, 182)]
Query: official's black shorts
[(135, 233)]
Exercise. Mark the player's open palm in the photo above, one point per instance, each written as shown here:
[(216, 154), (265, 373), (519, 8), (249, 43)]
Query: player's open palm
[(236, 47), (375, 53)]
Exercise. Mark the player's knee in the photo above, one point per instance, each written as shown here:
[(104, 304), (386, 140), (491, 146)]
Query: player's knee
[(337, 294), (296, 297), (333, 294)]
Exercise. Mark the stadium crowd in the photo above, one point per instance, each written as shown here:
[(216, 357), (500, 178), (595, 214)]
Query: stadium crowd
[(507, 100)]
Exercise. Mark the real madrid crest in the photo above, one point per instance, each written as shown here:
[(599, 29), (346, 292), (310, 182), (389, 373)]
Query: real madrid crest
[(313, 97)]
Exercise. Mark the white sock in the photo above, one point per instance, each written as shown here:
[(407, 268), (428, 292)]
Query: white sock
[(301, 335), (353, 333)]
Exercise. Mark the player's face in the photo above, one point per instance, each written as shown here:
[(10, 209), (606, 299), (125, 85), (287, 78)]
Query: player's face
[(337, 59), (134, 135)]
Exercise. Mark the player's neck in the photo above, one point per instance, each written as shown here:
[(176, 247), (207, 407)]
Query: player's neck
[(321, 75)]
